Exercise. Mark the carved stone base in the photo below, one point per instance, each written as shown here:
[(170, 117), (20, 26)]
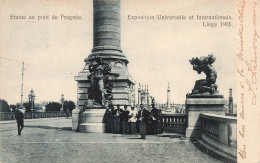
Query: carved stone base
[(92, 120), (92, 127), (196, 106), (204, 95)]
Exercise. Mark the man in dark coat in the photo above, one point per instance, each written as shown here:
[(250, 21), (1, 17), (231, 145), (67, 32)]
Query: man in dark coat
[(19, 119), (116, 115), (67, 112), (155, 119), (124, 120), (143, 116), (109, 119)]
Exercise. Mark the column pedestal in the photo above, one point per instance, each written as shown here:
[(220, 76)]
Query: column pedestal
[(92, 120), (196, 105)]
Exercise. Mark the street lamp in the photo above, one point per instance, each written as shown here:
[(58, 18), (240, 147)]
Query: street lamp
[(31, 97), (62, 101)]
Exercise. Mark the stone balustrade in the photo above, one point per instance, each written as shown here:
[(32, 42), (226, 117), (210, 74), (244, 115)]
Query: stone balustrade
[(174, 122), (219, 133), (31, 115)]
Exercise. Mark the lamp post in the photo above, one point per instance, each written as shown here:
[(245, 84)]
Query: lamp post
[(31, 97), (62, 102)]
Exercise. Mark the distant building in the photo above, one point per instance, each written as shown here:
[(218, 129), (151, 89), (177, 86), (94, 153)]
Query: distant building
[(143, 96), (174, 108)]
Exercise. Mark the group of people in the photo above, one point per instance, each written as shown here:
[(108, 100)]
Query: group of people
[(132, 121), (121, 120)]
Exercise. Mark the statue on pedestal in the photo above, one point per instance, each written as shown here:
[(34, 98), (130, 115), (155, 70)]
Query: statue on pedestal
[(100, 90), (204, 64)]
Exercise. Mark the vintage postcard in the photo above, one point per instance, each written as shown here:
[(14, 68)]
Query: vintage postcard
[(129, 81)]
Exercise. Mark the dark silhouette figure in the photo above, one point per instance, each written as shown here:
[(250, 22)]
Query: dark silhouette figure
[(124, 120), (19, 116), (143, 116), (117, 114), (155, 117)]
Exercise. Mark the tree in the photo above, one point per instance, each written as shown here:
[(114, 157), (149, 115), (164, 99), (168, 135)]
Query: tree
[(70, 105), (13, 107), (53, 106), (4, 107)]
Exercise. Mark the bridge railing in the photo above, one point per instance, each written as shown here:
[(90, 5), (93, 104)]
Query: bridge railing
[(174, 122), (220, 132), (31, 115)]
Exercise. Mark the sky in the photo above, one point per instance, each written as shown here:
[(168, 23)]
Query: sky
[(158, 51)]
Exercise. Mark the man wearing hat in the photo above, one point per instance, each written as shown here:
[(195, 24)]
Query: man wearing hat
[(124, 120), (109, 119), (155, 119), (143, 116), (117, 114), (19, 116)]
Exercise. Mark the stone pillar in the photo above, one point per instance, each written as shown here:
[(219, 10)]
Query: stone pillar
[(139, 95), (107, 24), (168, 97), (106, 45), (230, 104), (107, 31), (197, 104)]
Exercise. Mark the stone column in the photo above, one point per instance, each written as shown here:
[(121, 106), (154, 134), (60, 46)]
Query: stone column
[(106, 45), (107, 32), (230, 104), (168, 97), (197, 104)]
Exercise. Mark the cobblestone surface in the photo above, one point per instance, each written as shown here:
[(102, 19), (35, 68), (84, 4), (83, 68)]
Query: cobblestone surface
[(51, 140)]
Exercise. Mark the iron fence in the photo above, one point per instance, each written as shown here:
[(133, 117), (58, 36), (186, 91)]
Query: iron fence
[(33, 115)]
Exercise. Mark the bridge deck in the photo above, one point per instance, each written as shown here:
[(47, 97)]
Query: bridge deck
[(51, 140)]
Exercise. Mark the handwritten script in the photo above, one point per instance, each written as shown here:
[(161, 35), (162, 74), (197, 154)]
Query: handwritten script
[(247, 70)]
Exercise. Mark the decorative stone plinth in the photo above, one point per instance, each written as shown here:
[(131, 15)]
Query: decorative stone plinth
[(195, 105), (92, 120)]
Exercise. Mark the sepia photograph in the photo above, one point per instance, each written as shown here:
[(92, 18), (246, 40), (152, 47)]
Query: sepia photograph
[(129, 81)]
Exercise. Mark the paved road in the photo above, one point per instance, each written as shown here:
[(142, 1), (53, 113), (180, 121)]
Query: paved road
[(51, 140)]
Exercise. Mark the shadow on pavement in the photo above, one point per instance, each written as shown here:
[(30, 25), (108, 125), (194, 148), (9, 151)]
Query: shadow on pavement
[(67, 128), (134, 138), (50, 127), (170, 136)]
